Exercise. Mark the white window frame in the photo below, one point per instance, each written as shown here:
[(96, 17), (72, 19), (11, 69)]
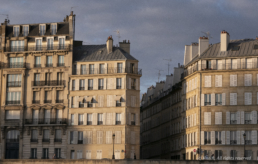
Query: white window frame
[(23, 30), (18, 31), (44, 32), (51, 28)]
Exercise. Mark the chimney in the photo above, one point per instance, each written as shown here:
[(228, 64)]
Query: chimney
[(125, 46), (187, 55), (203, 44), (193, 50), (109, 44), (224, 40)]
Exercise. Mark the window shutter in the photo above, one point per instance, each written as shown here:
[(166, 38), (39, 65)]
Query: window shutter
[(235, 98), (235, 80), (75, 119), (238, 137), (246, 98), (209, 118), (228, 137), (223, 137), (231, 98), (227, 117), (129, 84), (76, 84), (242, 117), (187, 87), (242, 138), (114, 118), (254, 118), (68, 137), (195, 82), (213, 99), (137, 119), (213, 137), (218, 118), (216, 80), (94, 121), (206, 81), (75, 137), (254, 137), (223, 98), (202, 99), (202, 137), (76, 101), (84, 137), (238, 117), (195, 119), (257, 79)]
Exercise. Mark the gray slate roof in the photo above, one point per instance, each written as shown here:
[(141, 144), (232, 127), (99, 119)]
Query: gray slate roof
[(246, 49), (99, 53)]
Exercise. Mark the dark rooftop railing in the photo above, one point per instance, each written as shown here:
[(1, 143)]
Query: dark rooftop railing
[(66, 47), (13, 65), (111, 70)]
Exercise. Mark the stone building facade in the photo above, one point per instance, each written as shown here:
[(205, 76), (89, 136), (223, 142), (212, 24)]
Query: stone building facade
[(219, 100)]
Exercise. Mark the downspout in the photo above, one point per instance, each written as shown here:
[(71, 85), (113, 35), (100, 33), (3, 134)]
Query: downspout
[(200, 115)]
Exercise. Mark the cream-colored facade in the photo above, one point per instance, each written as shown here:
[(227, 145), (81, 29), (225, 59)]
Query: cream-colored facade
[(219, 101), (104, 101)]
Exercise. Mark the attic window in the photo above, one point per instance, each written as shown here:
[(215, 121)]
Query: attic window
[(235, 48), (100, 51), (256, 46)]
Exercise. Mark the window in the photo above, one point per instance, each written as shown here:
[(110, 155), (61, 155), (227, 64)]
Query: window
[(17, 45), (99, 154), (219, 65), (38, 44), (61, 43), (208, 64), (12, 114), (235, 48), (34, 135), (60, 60), (132, 69), (14, 80), (90, 103), (35, 97), (218, 80), (218, 139), (248, 79), (88, 154), (118, 83), (47, 116), (249, 63), (218, 118), (218, 155), (42, 29), (49, 61), (90, 84), (16, 31), (101, 84), (58, 153), (80, 137), (48, 97), (119, 67), (72, 119), (83, 69), (132, 119), (89, 119), (79, 154), (248, 118), (59, 97), (249, 154), (133, 83), (25, 30), (72, 154), (233, 98), (233, 154), (58, 135), (73, 85), (207, 138), (108, 137), (233, 118), (53, 29), (233, 80), (118, 118), (60, 78), (233, 137), (234, 64), (80, 119), (100, 119), (248, 98), (37, 61), (218, 99), (45, 135), (45, 153), (91, 69), (50, 44), (248, 138), (207, 81), (101, 69), (33, 153), (13, 98), (72, 102), (207, 118), (207, 99), (82, 84)]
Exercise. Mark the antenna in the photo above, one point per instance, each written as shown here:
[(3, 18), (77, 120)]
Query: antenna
[(73, 7), (118, 34), (208, 35), (169, 60), (159, 73), (7, 17)]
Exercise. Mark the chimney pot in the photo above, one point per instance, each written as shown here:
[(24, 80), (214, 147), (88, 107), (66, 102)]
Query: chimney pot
[(224, 40)]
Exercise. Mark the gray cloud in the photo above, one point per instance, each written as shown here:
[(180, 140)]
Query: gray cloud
[(157, 29)]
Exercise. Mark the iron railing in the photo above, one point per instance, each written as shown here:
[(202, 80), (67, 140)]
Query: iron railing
[(66, 47), (12, 140), (80, 141), (207, 103), (81, 105), (90, 105), (57, 140), (48, 83), (59, 101), (80, 122), (132, 122), (100, 122), (233, 142), (49, 65), (218, 103), (118, 122), (33, 140), (60, 64), (101, 87), (207, 141), (47, 101), (82, 88), (14, 84), (13, 65), (17, 102), (248, 142), (218, 142), (248, 121), (90, 88), (118, 104), (45, 140), (118, 87), (46, 121), (111, 70), (35, 101), (233, 121), (37, 65), (89, 122)]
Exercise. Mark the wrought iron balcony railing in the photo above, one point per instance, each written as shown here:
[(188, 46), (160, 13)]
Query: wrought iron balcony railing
[(118, 104), (49, 65), (66, 47), (37, 65), (59, 101), (132, 122), (16, 102), (14, 84), (89, 122), (248, 142), (207, 103), (80, 141), (101, 87), (33, 140), (248, 121), (207, 141), (48, 83), (118, 122), (47, 101), (45, 140), (35, 101), (233, 121), (80, 122), (13, 140), (100, 122), (60, 64), (233, 142), (82, 88), (57, 140), (46, 121), (13, 65), (118, 87), (110, 70)]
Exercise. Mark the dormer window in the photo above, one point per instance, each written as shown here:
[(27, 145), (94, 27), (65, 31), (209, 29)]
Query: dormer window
[(256, 46), (235, 48), (25, 30), (53, 29), (16, 31), (42, 29)]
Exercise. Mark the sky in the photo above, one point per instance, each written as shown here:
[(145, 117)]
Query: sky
[(157, 29)]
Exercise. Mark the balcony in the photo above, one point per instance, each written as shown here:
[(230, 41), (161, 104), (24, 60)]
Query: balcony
[(60, 64), (13, 65), (100, 122), (58, 140), (45, 140), (35, 101), (82, 88), (47, 101), (90, 105), (66, 47), (118, 122), (218, 103), (118, 87), (48, 83), (33, 140), (80, 122), (80, 141), (233, 121), (207, 103), (59, 101), (132, 122), (37, 65), (101, 87), (248, 121), (218, 142), (45, 157), (12, 140), (90, 88), (81, 105), (207, 141), (89, 122), (248, 142), (14, 84), (133, 87), (49, 65), (118, 104), (111, 70), (46, 121), (233, 142), (17, 102)]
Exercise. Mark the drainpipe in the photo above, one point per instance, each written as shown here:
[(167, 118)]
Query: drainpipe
[(200, 115)]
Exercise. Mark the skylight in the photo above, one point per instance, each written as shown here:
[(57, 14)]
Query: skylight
[(235, 48)]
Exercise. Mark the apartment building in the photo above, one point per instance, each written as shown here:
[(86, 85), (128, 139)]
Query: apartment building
[(104, 103), (218, 101), (161, 114), (36, 61)]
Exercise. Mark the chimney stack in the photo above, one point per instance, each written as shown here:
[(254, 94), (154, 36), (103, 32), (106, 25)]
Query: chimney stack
[(109, 44), (203, 44), (125, 46), (224, 40)]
